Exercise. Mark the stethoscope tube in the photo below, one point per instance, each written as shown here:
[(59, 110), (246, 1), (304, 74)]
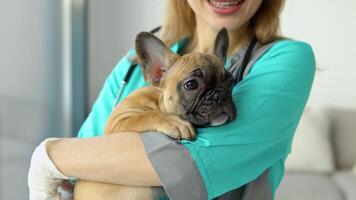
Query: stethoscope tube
[(240, 72), (124, 82)]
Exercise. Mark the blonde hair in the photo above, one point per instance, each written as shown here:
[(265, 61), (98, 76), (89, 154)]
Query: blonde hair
[(179, 21)]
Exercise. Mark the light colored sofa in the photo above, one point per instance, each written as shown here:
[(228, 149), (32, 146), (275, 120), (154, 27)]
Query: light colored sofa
[(322, 164)]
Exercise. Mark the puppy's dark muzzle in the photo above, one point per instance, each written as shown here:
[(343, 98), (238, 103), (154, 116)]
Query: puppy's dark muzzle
[(219, 96), (214, 108)]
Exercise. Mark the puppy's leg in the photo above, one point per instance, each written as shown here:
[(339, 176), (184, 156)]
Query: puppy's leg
[(171, 125), (85, 190)]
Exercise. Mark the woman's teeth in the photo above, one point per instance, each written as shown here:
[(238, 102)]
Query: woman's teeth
[(220, 4)]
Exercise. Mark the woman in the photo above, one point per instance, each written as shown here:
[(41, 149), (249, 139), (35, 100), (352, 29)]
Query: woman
[(270, 101)]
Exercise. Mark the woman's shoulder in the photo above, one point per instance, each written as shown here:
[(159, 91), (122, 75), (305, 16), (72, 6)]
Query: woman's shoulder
[(291, 47), (284, 61), (287, 53)]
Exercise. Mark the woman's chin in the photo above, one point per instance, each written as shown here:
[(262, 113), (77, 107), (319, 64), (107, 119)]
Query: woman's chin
[(230, 24)]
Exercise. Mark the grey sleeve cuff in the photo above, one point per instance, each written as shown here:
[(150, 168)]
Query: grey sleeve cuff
[(257, 189), (175, 167)]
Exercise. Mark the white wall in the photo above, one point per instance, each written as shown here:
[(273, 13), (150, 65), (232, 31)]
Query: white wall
[(29, 87), (330, 27), (112, 28)]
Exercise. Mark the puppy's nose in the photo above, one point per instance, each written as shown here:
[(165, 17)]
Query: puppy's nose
[(219, 95)]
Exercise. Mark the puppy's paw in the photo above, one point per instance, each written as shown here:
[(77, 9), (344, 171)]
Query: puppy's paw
[(176, 128)]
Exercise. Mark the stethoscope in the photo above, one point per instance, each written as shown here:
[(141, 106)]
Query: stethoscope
[(238, 74)]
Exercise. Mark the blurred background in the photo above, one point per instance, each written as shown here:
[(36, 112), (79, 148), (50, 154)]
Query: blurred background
[(55, 56)]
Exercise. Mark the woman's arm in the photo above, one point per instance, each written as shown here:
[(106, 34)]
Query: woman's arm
[(116, 158), (270, 101), (105, 159)]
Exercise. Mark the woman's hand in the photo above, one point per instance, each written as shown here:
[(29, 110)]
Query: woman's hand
[(117, 158), (43, 177)]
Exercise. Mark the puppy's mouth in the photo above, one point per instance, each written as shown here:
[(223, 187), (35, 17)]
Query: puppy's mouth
[(219, 120)]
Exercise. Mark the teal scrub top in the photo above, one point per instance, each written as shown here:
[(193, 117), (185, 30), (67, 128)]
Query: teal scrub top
[(269, 100)]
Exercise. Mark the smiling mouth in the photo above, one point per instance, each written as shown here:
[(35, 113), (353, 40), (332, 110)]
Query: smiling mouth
[(225, 4)]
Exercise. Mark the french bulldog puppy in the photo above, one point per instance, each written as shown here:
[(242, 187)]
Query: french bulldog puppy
[(185, 91)]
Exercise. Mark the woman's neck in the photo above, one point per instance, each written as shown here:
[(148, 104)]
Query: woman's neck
[(205, 38)]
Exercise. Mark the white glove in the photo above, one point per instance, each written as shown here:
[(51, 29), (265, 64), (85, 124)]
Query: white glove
[(43, 177)]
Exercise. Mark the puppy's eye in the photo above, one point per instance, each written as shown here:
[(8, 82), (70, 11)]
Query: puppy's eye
[(191, 85)]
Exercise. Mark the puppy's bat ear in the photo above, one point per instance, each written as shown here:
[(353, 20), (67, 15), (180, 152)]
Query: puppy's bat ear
[(221, 44), (154, 56)]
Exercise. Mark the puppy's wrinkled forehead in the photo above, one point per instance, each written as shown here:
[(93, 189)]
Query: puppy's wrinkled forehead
[(207, 64)]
